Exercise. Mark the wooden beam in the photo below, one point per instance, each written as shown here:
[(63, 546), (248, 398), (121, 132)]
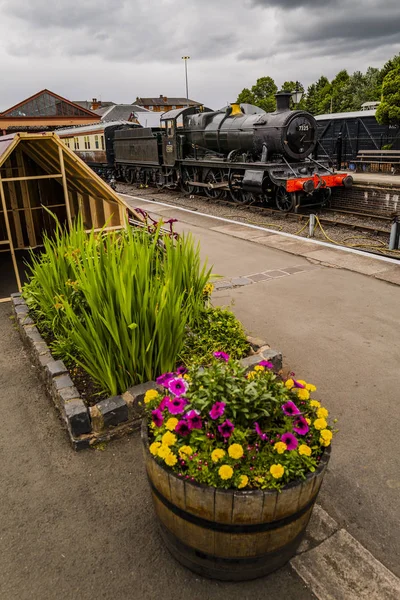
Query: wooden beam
[(14, 206), (30, 177), (26, 199), (3, 201), (65, 187)]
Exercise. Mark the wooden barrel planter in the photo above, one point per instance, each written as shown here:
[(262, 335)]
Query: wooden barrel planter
[(231, 535)]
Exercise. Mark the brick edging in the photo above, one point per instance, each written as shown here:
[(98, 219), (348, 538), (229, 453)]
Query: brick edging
[(109, 418)]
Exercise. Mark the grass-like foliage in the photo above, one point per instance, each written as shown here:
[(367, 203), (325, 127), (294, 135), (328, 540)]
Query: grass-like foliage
[(117, 303)]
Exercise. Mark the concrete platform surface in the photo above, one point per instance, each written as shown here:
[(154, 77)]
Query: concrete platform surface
[(340, 330), (384, 179)]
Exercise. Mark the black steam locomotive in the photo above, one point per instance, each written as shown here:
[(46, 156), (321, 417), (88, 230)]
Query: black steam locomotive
[(242, 152)]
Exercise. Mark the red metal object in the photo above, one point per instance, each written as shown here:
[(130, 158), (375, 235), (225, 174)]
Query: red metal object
[(320, 182)]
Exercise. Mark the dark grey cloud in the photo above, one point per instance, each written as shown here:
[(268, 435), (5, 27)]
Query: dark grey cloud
[(294, 4)]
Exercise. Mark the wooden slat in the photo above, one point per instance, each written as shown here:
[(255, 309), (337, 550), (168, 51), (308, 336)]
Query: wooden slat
[(14, 206), (93, 212), (64, 181), (14, 260), (30, 177), (25, 198)]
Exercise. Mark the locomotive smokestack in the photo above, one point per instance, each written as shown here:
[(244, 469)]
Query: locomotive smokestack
[(283, 101)]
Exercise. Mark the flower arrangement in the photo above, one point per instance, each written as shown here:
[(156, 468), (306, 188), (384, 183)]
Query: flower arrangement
[(226, 428)]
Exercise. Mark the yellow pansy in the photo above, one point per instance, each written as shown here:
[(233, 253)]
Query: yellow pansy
[(163, 451), (168, 439), (171, 423), (322, 413), (154, 448), (170, 459), (185, 451), (217, 454), (305, 450), (150, 395), (315, 404), (301, 382), (259, 368), (289, 383), (277, 471), (326, 435), (244, 480), (310, 387), (280, 447), (225, 472), (320, 424), (235, 451)]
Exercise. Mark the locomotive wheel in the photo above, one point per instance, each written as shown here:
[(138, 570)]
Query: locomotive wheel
[(188, 174), (130, 176), (285, 201), (214, 177)]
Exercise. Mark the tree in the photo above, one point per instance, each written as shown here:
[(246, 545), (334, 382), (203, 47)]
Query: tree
[(389, 109), (262, 94), (319, 96), (291, 86)]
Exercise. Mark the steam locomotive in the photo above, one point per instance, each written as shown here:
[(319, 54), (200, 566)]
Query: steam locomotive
[(243, 152)]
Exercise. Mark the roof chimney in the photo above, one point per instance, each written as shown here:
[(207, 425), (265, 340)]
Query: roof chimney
[(95, 104)]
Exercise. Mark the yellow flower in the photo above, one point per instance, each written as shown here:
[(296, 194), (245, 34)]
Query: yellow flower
[(150, 395), (186, 376), (259, 368), (310, 387), (303, 394), (185, 451), (217, 454), (322, 413), (324, 442), (320, 424), (163, 451), (235, 451), (170, 459), (208, 288), (277, 471), (171, 423), (244, 480), (308, 421), (280, 447), (251, 375), (302, 382), (304, 449), (168, 439), (326, 435), (289, 383), (315, 403), (225, 472), (154, 448)]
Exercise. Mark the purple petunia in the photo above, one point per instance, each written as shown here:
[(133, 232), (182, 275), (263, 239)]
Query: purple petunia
[(290, 440), (176, 406), (164, 403), (217, 410), (177, 386), (194, 420), (267, 364), (182, 428), (157, 417), (259, 432), (164, 379), (181, 370), (290, 409), (300, 425), (226, 428), (222, 355), (298, 385)]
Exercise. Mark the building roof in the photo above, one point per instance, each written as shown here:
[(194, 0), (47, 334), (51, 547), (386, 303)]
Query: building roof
[(166, 101), (46, 104), (345, 115), (91, 128), (88, 104)]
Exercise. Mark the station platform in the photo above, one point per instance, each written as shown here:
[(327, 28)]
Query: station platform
[(335, 316), (376, 179)]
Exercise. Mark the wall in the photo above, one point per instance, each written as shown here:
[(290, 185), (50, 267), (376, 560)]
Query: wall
[(384, 200)]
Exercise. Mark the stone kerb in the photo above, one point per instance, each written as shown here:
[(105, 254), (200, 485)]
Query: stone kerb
[(109, 418)]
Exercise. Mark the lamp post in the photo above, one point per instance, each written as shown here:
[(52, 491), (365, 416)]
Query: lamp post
[(186, 58), (297, 94)]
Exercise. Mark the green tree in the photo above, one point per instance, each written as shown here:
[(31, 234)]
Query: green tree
[(319, 96), (262, 94), (389, 109)]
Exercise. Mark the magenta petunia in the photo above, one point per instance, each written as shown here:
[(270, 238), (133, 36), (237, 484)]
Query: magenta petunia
[(290, 409), (164, 403), (226, 428), (298, 385), (217, 410), (290, 440), (267, 364), (259, 432), (182, 428), (222, 355), (157, 417), (176, 406), (164, 379), (181, 370), (300, 425), (177, 386), (194, 420)]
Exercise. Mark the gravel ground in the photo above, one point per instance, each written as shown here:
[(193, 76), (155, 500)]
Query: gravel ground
[(364, 240)]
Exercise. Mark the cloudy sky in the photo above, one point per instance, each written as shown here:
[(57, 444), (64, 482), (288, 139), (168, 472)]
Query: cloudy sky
[(119, 49)]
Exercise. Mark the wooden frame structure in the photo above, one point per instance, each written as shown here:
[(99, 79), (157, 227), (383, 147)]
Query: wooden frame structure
[(38, 172)]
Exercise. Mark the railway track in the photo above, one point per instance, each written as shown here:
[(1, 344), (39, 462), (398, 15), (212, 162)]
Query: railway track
[(351, 228)]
